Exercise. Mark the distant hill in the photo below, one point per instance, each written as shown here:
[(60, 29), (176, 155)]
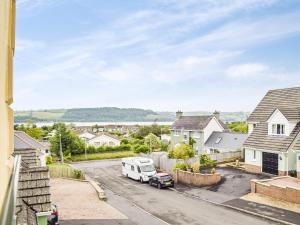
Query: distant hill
[(111, 114)]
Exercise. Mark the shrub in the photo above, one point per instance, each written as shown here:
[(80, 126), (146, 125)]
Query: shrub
[(213, 171), (293, 173), (91, 149), (206, 161), (164, 147), (141, 149), (124, 141), (68, 157), (183, 151), (49, 160), (196, 167), (180, 166), (77, 173)]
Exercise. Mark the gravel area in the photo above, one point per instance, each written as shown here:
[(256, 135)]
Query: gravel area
[(79, 200), (266, 200)]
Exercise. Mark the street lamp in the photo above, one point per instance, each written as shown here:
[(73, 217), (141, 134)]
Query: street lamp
[(60, 148), (85, 148)]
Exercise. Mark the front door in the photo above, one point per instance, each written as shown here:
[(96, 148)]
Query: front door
[(270, 163)]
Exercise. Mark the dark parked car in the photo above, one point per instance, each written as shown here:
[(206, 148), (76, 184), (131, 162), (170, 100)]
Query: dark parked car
[(53, 218), (161, 180)]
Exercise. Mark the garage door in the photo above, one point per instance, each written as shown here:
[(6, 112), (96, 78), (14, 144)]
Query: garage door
[(270, 163)]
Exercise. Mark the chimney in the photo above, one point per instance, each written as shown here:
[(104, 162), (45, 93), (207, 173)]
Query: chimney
[(216, 114), (178, 114)]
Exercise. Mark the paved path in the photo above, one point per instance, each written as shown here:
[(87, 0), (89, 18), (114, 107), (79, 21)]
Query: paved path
[(165, 204), (281, 214)]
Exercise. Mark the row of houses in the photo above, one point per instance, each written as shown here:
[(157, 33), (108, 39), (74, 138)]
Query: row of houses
[(272, 144)]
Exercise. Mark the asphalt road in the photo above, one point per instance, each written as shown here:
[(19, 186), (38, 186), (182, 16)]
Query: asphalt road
[(159, 206)]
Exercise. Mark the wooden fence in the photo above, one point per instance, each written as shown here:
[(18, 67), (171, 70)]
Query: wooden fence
[(67, 172)]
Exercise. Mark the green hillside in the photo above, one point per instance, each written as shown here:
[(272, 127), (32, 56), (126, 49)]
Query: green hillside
[(111, 114)]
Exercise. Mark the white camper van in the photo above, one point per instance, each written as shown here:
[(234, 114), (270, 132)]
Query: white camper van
[(138, 168)]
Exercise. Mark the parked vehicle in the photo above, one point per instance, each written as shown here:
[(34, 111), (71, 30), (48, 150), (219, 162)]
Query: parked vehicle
[(138, 168), (53, 218), (161, 180)]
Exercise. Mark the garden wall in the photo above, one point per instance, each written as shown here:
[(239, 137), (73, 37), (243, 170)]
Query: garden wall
[(196, 179), (289, 194)]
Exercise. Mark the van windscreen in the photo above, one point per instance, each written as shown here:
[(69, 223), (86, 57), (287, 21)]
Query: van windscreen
[(147, 168)]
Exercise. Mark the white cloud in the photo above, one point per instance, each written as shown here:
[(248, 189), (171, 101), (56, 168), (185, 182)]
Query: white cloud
[(247, 70)]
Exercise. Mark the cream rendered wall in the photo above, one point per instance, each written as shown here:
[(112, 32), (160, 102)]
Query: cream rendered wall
[(103, 140), (292, 160), (212, 126), (282, 161), (249, 157), (7, 29)]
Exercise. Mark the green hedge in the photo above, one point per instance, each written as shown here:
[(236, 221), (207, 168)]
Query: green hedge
[(101, 149)]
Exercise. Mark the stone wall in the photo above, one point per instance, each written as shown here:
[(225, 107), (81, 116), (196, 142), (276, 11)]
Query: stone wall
[(196, 179), (283, 193), (253, 169)]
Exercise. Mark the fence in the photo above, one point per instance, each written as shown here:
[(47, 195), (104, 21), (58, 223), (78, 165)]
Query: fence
[(67, 172), (164, 163)]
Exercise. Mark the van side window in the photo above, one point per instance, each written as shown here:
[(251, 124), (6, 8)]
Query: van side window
[(123, 163), (132, 168), (138, 169)]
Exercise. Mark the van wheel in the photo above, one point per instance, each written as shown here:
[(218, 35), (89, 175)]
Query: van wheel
[(141, 180), (159, 186)]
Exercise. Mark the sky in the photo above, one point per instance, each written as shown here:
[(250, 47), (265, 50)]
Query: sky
[(164, 55)]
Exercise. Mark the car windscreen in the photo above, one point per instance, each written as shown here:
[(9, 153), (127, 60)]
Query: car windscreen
[(166, 178), (147, 168)]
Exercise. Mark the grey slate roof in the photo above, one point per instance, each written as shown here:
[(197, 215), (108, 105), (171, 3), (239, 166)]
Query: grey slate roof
[(34, 188), (29, 156), (193, 123), (230, 141), (259, 139), (278, 98), (30, 142)]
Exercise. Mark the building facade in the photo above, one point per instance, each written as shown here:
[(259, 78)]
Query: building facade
[(273, 145), (7, 46)]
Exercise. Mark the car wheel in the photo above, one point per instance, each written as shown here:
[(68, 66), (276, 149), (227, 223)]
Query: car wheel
[(159, 186), (141, 180), (150, 183)]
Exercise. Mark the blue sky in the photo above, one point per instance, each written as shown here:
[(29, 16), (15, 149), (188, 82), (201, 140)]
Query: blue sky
[(154, 54)]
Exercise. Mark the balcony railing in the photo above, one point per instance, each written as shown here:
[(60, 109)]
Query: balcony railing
[(8, 215)]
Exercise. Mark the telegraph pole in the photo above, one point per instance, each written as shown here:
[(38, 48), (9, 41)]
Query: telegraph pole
[(60, 148)]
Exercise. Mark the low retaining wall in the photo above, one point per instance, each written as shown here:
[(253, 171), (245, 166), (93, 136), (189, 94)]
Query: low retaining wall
[(288, 194), (196, 179)]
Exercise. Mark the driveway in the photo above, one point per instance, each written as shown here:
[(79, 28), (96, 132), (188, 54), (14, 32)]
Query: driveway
[(165, 205), (234, 184)]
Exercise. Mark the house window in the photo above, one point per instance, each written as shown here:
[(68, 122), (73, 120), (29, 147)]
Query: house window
[(254, 125), (176, 132), (254, 154), (278, 129), (218, 140), (185, 137), (132, 168), (214, 151)]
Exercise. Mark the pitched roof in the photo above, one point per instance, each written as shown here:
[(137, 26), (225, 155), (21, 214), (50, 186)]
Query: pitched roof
[(193, 122), (106, 134), (291, 113), (30, 157), (259, 139), (278, 98), (226, 140), (34, 189), (23, 140)]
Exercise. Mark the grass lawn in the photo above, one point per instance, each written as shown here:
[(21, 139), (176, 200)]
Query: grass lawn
[(106, 155)]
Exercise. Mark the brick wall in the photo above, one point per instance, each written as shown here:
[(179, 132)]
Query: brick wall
[(196, 179), (287, 194), (253, 169), (282, 173)]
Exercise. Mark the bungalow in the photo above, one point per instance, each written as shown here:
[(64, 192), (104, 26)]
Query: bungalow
[(197, 128), (220, 142), (23, 142), (273, 145), (86, 135), (104, 139)]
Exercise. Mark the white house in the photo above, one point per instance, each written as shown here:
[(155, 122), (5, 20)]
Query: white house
[(23, 142), (273, 145), (86, 135), (104, 139), (198, 128)]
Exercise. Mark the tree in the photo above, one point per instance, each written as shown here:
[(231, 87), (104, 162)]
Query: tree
[(71, 143), (239, 127), (35, 132), (183, 151), (152, 141)]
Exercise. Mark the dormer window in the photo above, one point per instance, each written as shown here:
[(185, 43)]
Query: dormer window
[(278, 129)]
